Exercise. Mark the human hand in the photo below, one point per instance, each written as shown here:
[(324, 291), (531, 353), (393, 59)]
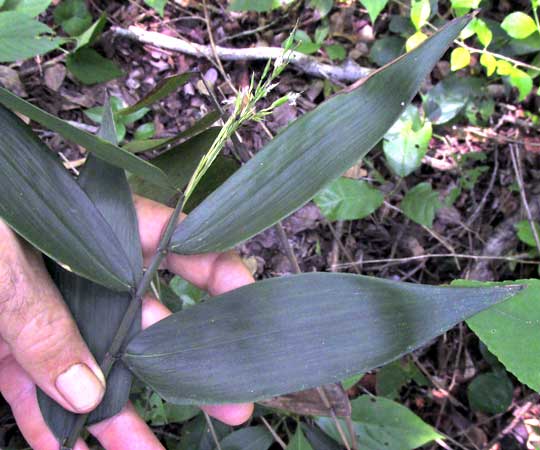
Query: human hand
[(41, 345)]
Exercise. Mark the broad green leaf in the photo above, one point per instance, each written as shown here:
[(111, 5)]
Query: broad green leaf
[(510, 331), (483, 32), (156, 412), (518, 25), (89, 36), (421, 203), (187, 293), (303, 43), (489, 62), (299, 441), (318, 439), (504, 68), (151, 409), (404, 153), (245, 345), (317, 147), (468, 31), (89, 67), (41, 201), (145, 145), (323, 6), (491, 392), (374, 7), (386, 49), (449, 97), (336, 52), (420, 12), (104, 150), (73, 16), (465, 4), (525, 232), (392, 377), (415, 40), (522, 81), (459, 58), (145, 131), (163, 89), (158, 5), (22, 37), (180, 413), (351, 381), (30, 8), (381, 423), (98, 311), (196, 434), (118, 106), (254, 5), (347, 199), (249, 438)]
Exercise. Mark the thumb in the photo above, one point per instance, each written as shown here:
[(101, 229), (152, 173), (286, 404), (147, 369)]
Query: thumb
[(40, 331)]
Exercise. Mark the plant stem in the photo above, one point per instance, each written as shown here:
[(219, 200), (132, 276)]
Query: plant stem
[(132, 310), (535, 14), (515, 62)]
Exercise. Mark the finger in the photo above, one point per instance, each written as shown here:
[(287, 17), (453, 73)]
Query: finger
[(20, 392), (213, 272), (40, 332), (125, 431), (231, 414)]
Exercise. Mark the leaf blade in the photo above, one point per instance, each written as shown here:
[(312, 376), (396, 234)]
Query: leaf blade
[(266, 189), (104, 150), (245, 345), (98, 311), (163, 89), (66, 227), (22, 37)]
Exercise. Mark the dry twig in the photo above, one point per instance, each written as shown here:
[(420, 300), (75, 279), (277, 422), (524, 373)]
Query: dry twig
[(348, 71)]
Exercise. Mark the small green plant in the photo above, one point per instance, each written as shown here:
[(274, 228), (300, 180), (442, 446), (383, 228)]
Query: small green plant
[(23, 36), (337, 325)]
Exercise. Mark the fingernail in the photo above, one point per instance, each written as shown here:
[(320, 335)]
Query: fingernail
[(81, 388)]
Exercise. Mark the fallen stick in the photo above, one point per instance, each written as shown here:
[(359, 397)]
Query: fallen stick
[(349, 71)]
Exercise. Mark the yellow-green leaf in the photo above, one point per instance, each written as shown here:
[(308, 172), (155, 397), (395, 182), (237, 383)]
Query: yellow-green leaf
[(459, 58), (415, 40), (518, 25), (489, 62)]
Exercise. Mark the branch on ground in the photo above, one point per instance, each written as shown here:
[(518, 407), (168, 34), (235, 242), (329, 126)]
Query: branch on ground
[(349, 71)]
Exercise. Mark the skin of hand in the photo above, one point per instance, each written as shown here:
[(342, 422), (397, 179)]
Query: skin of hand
[(41, 345)]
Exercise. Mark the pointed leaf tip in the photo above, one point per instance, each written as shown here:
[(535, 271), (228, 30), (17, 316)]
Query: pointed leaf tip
[(44, 204), (310, 153), (246, 345)]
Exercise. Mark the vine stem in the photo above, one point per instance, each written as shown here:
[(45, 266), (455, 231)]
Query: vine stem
[(516, 62), (132, 310), (534, 7)]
